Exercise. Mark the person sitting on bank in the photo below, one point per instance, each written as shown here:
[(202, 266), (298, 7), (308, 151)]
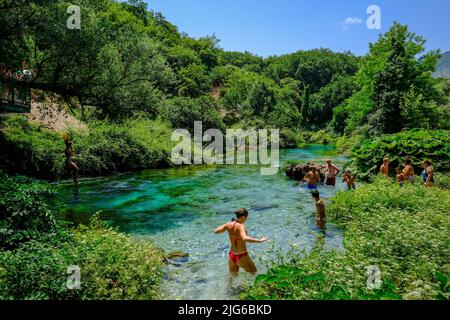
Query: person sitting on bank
[(427, 173), (408, 170), (331, 173), (384, 169), (312, 178), (400, 176), (350, 180)]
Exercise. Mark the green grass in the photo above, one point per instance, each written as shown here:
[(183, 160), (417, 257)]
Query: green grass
[(403, 231)]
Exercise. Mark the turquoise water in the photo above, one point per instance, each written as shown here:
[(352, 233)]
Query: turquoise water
[(180, 208)]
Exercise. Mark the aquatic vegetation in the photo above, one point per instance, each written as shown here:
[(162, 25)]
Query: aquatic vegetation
[(402, 231)]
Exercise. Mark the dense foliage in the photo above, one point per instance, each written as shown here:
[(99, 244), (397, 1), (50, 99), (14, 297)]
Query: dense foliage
[(401, 230), (27, 211), (419, 145), (131, 60), (102, 149), (395, 88), (36, 251)]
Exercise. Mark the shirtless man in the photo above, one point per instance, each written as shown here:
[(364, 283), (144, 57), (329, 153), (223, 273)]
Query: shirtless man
[(320, 206), (312, 178), (238, 256), (332, 172), (384, 169), (408, 171)]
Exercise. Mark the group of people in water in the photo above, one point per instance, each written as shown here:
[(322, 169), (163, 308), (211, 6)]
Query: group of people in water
[(238, 256)]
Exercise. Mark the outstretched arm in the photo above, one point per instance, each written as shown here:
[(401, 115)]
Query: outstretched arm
[(221, 229), (246, 238)]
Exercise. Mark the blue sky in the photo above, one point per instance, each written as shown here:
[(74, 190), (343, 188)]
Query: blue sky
[(268, 27)]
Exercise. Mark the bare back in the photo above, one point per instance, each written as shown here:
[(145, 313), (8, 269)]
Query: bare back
[(235, 229)]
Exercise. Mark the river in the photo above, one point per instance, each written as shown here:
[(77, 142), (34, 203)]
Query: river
[(179, 208)]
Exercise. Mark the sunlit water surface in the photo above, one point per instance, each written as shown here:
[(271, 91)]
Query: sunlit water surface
[(180, 208)]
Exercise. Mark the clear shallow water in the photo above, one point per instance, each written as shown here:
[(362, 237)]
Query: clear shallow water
[(180, 208)]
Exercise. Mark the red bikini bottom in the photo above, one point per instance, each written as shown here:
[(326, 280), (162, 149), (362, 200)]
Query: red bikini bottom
[(235, 257)]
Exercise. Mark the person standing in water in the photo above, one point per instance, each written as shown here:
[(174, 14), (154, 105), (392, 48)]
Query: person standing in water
[(408, 171), (312, 178), (427, 174), (73, 168), (350, 180), (384, 169), (238, 256), (320, 206), (332, 172)]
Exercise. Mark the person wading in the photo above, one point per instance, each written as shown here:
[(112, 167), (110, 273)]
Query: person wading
[(238, 256)]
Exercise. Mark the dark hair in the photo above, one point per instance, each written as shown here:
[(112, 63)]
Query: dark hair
[(408, 161), (398, 169), (242, 212), (315, 193)]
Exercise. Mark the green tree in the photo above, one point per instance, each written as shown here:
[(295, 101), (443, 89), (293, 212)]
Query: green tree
[(395, 64)]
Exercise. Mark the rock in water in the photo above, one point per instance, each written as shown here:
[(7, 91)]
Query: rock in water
[(177, 257), (298, 171)]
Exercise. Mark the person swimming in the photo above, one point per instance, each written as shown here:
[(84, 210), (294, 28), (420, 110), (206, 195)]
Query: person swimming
[(350, 180), (427, 173), (312, 178), (238, 256), (69, 162), (408, 171), (320, 206)]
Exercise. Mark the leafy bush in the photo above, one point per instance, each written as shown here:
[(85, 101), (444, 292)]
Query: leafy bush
[(104, 148), (403, 231), (417, 144), (136, 144), (36, 251), (27, 148), (27, 210), (345, 144), (112, 266), (320, 137)]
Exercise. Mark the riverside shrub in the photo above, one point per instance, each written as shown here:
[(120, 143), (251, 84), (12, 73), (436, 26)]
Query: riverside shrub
[(419, 145), (36, 250), (104, 148), (403, 231)]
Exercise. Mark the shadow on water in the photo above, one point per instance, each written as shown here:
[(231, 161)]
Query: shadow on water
[(179, 209)]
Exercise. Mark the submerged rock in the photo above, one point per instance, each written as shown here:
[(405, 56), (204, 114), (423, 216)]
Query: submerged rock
[(177, 258)]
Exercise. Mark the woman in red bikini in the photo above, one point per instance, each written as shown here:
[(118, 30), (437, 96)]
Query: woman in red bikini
[(238, 256)]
